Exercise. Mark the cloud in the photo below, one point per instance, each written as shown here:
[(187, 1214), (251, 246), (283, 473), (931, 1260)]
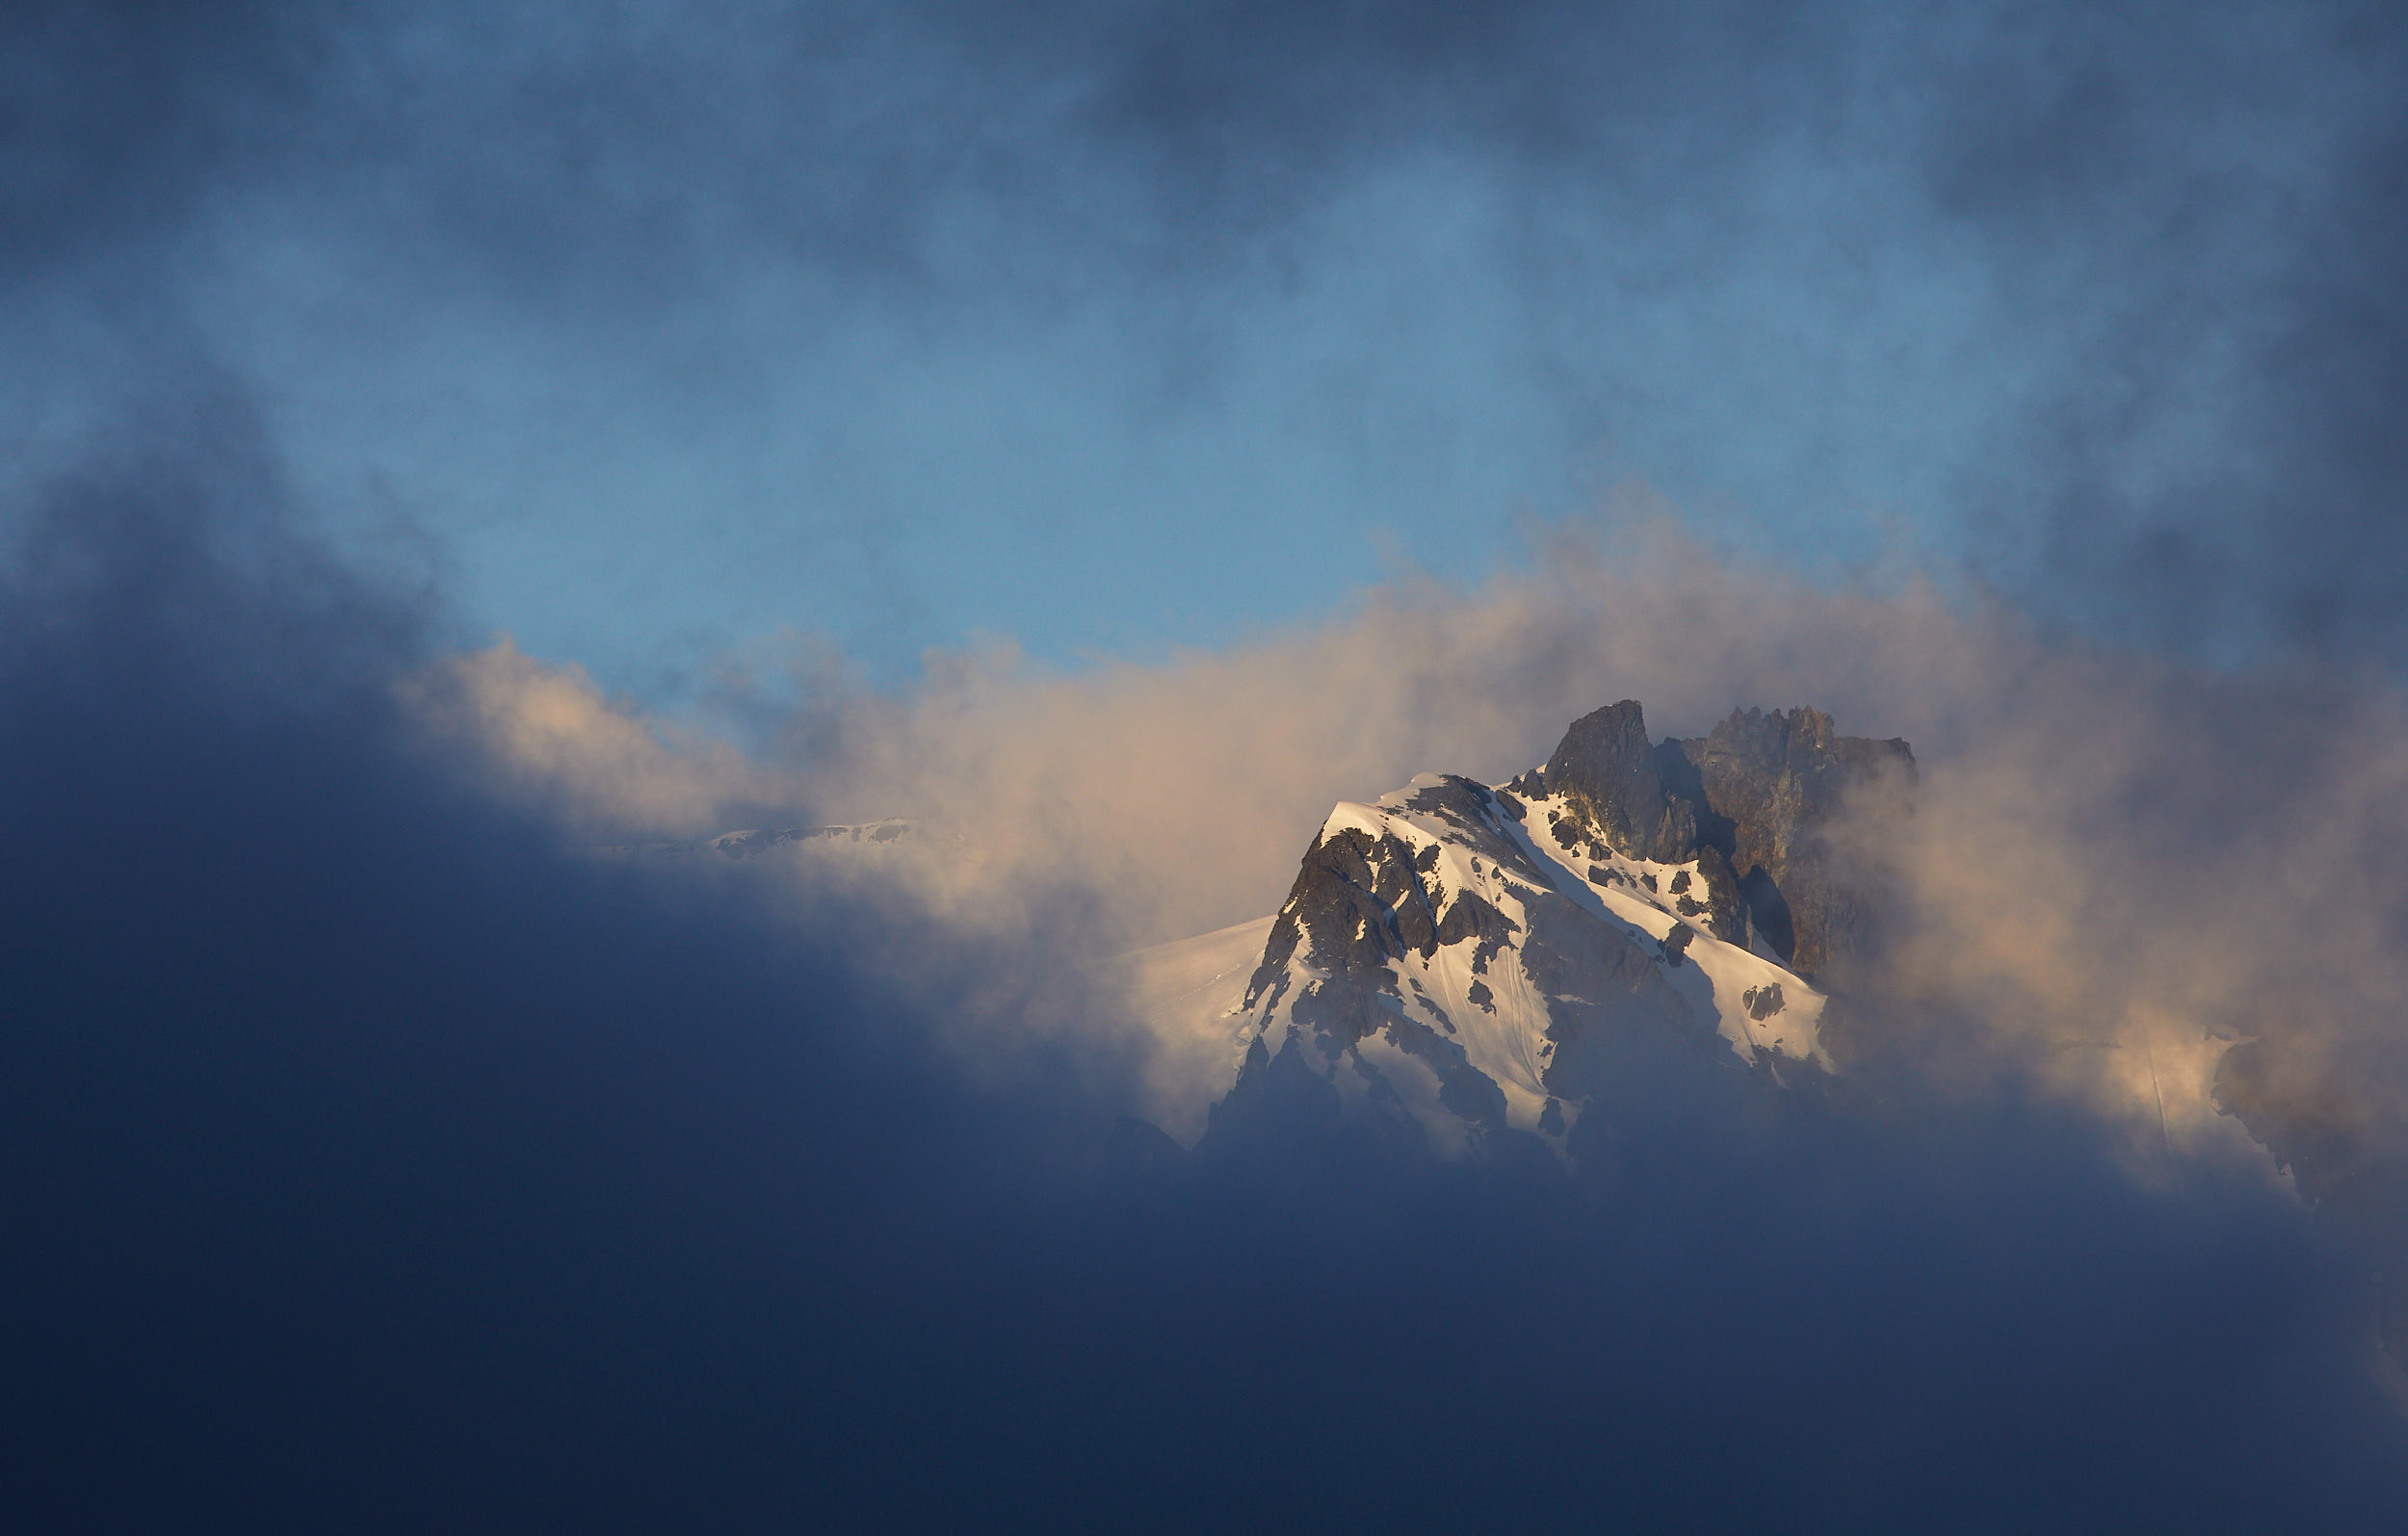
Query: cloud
[(370, 1162), (2103, 835), (2122, 867), (549, 730)]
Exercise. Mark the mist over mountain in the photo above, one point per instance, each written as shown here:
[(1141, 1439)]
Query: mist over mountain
[(1574, 922), (371, 1163), (1189, 764)]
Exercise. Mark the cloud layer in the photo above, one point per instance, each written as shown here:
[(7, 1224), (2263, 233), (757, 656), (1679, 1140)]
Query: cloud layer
[(2124, 862), (373, 1153), (375, 1163)]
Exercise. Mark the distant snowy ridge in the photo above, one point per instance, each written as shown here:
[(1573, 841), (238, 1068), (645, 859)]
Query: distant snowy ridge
[(753, 843)]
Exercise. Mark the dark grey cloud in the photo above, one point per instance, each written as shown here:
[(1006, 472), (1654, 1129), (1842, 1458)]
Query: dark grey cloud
[(2219, 467), (650, 144), (119, 121), (366, 1164)]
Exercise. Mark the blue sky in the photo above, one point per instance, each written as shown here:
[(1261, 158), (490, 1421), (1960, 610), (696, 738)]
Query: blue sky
[(1116, 330)]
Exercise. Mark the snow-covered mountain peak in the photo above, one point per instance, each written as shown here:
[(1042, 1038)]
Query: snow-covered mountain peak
[(1459, 962), (1438, 962)]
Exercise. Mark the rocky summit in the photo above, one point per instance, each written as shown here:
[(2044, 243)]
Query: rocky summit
[(1476, 966)]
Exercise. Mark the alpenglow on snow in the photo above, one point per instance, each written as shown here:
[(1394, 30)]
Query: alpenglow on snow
[(1470, 965)]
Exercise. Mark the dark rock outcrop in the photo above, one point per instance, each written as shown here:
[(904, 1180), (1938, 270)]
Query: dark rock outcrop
[(1675, 944), (1757, 803), (1364, 901), (1361, 901), (1726, 914), (1770, 790), (1606, 767)]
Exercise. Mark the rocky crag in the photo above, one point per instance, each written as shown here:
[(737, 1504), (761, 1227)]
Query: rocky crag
[(1468, 965), (1757, 803)]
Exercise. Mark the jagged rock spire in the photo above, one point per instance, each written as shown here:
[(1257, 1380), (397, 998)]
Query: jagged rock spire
[(1753, 801), (1606, 764)]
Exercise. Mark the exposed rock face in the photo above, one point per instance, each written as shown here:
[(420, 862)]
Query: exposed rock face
[(1754, 803), (1606, 765), (1360, 901), (1727, 911), (1473, 968), (1463, 968), (1364, 906), (1768, 790)]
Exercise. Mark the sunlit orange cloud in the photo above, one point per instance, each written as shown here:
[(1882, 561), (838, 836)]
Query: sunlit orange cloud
[(2118, 866)]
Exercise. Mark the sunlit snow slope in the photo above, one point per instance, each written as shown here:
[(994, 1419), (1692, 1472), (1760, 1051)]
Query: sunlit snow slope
[(1461, 960)]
